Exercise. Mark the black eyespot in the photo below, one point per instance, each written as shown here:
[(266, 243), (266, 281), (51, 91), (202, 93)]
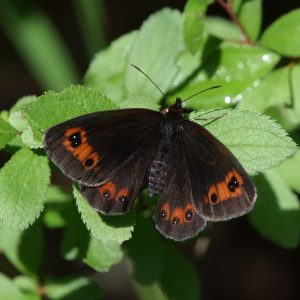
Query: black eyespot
[(214, 198), (175, 221), (231, 187), (235, 182), (89, 162), (75, 140), (106, 194), (163, 213), (123, 199), (189, 215)]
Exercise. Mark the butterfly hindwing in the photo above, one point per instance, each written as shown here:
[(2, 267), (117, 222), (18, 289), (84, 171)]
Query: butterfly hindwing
[(176, 216), (116, 195), (221, 187), (91, 148)]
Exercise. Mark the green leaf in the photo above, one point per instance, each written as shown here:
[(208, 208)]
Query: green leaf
[(139, 102), (70, 103), (295, 79), (7, 133), (8, 290), (250, 16), (149, 291), (107, 75), (57, 204), (76, 236), (282, 36), (164, 270), (235, 68), (222, 28), (102, 255), (104, 228), (18, 120), (257, 141), (28, 286), (187, 64), (154, 50), (289, 171), (73, 288), (273, 90), (276, 214), (22, 102), (193, 25), (24, 182), (23, 248), (146, 242), (178, 269)]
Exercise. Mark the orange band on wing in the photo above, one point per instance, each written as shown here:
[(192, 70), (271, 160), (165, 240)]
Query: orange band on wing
[(76, 143), (224, 190)]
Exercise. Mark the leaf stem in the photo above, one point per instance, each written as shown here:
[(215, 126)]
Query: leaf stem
[(228, 7)]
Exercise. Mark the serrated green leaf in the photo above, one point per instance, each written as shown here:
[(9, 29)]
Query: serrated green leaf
[(70, 103), (22, 102), (222, 28), (257, 141), (154, 50), (235, 68), (250, 15), (24, 182), (7, 133), (276, 214), (193, 25), (23, 248), (289, 171), (73, 288), (282, 36), (8, 290), (102, 255), (272, 90), (104, 228), (107, 75)]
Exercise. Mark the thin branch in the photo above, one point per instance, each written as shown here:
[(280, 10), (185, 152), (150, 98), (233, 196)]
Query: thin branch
[(228, 7)]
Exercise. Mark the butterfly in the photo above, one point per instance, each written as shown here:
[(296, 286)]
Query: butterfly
[(114, 155)]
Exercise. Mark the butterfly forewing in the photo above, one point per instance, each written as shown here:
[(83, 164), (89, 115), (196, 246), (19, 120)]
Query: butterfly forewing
[(91, 148)]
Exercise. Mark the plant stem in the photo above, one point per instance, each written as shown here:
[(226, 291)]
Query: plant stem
[(228, 7)]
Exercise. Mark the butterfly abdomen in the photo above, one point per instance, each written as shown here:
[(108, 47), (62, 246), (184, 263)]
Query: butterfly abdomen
[(160, 164)]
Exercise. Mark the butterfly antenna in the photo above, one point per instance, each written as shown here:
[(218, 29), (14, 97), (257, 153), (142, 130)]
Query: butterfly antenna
[(210, 88), (136, 67)]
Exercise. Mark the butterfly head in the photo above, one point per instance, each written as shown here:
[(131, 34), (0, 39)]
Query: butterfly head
[(175, 111)]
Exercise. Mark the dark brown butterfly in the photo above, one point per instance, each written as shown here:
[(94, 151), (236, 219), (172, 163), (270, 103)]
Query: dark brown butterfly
[(114, 155)]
